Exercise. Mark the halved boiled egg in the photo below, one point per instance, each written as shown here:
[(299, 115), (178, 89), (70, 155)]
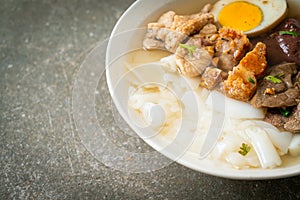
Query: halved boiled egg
[(251, 16)]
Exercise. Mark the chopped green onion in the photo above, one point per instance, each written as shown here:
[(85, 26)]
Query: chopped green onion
[(191, 49), (284, 111), (244, 149), (289, 33), (251, 80), (275, 79)]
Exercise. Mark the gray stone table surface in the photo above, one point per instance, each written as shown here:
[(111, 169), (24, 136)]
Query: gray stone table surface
[(42, 45)]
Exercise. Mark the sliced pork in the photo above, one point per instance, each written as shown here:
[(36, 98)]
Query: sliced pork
[(163, 38), (192, 59), (211, 78), (191, 24), (171, 29), (230, 46)]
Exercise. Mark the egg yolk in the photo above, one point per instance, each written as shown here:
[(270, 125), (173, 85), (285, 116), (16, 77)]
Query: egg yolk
[(240, 15)]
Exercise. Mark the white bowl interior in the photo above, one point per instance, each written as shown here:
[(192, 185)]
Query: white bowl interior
[(126, 37)]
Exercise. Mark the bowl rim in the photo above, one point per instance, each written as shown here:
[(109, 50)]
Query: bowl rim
[(244, 174)]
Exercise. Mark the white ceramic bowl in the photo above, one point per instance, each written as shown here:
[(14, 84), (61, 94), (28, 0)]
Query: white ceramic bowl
[(127, 36)]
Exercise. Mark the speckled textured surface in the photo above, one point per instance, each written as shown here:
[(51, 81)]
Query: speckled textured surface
[(42, 44)]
